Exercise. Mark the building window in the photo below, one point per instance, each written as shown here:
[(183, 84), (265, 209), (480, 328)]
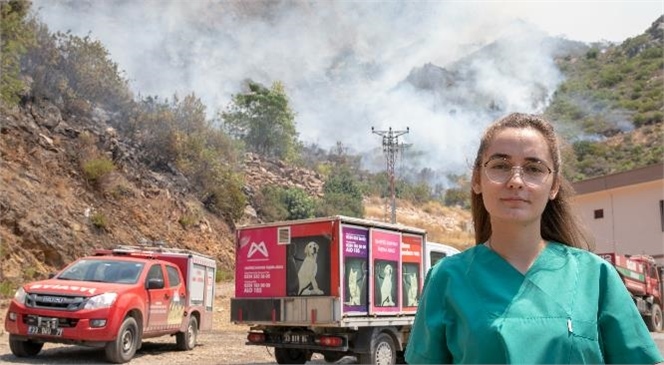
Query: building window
[(661, 213), (599, 213)]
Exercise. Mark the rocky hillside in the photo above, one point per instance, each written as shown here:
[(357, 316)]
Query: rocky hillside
[(51, 212)]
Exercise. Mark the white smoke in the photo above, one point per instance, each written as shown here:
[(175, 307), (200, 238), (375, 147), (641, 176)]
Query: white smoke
[(342, 62)]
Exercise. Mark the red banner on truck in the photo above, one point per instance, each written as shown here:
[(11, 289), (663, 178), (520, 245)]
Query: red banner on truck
[(260, 269)]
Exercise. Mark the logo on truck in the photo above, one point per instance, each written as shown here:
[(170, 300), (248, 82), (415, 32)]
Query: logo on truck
[(257, 247)]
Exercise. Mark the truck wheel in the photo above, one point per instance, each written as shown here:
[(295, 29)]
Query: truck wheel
[(333, 356), (123, 348), (383, 352), (654, 321), (187, 340), (24, 348), (291, 356)]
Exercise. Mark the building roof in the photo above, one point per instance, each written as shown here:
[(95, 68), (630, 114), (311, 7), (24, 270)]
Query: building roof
[(632, 177)]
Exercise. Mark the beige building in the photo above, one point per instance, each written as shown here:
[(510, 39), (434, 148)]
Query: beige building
[(625, 211)]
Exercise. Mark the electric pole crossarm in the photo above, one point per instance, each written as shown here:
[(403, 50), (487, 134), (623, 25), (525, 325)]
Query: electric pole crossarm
[(391, 148)]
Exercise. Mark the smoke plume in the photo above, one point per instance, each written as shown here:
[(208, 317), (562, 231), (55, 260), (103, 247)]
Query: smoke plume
[(347, 66)]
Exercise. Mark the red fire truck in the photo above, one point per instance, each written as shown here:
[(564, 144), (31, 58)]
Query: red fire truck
[(643, 279), (115, 299)]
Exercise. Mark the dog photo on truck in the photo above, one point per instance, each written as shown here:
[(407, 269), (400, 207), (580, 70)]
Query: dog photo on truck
[(385, 288), (355, 281), (308, 270), (411, 284)]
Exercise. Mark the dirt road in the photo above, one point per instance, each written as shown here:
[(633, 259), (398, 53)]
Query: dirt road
[(223, 345)]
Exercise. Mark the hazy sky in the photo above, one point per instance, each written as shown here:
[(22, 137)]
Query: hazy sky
[(343, 62), (586, 21)]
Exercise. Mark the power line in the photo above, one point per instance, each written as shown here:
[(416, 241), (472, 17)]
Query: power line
[(391, 147)]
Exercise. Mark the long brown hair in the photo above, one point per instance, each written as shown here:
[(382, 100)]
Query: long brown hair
[(559, 222)]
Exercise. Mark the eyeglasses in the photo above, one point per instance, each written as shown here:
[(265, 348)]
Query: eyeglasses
[(532, 172)]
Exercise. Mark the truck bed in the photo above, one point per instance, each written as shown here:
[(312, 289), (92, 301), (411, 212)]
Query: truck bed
[(307, 311)]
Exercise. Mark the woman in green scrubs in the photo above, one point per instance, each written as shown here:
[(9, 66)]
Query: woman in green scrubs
[(529, 291)]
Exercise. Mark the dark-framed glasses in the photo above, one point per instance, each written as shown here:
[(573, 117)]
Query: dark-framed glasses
[(500, 170)]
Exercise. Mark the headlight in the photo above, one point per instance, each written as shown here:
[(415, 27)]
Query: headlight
[(101, 301), (20, 295)]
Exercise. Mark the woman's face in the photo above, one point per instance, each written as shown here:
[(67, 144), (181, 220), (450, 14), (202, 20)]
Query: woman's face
[(523, 195)]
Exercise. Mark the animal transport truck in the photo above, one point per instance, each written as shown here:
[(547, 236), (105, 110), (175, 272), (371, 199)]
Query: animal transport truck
[(643, 279), (335, 285), (114, 299)]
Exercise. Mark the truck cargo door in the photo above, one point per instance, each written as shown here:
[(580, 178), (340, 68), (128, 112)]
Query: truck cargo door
[(159, 300), (177, 298)]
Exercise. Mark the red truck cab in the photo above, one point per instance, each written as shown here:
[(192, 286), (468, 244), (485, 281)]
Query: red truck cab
[(114, 300)]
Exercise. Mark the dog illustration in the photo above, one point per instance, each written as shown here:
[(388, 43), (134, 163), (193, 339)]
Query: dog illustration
[(386, 287), (307, 273), (353, 287), (410, 280)]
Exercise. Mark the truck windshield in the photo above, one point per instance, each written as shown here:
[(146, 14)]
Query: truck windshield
[(106, 271)]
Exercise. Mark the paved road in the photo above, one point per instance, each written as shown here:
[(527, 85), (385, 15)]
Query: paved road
[(659, 339)]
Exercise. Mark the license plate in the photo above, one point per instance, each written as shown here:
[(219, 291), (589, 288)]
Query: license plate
[(292, 338), (34, 330)]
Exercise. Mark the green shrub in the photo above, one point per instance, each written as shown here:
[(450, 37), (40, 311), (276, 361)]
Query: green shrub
[(264, 120), (592, 53), (7, 289), (278, 204), (224, 275), (298, 204), (77, 71), (187, 220), (122, 191), (457, 197), (98, 220), (652, 52), (609, 77), (16, 37), (342, 194), (95, 170), (270, 203)]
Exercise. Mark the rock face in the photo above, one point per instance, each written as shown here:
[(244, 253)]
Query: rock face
[(260, 172), (50, 214)]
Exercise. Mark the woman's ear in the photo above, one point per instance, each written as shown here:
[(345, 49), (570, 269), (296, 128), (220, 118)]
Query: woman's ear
[(476, 186), (554, 189)]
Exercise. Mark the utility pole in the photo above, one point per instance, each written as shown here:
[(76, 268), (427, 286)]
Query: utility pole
[(391, 147)]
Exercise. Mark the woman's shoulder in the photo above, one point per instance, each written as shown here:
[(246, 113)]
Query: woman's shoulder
[(584, 257), (456, 262)]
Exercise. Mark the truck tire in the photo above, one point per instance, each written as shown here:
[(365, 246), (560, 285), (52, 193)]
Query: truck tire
[(383, 351), (654, 321), (123, 348), (24, 348), (187, 340), (291, 356)]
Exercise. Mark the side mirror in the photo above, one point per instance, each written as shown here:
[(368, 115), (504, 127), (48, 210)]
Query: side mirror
[(155, 283), (51, 275)]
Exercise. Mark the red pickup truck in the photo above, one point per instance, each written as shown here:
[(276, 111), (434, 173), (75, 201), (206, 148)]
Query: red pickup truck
[(115, 299)]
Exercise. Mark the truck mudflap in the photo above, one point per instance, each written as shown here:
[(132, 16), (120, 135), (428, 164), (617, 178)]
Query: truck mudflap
[(299, 339)]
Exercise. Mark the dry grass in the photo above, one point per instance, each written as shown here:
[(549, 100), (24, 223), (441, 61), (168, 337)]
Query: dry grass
[(449, 225)]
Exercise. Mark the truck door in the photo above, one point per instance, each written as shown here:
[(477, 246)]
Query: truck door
[(159, 300), (178, 297)]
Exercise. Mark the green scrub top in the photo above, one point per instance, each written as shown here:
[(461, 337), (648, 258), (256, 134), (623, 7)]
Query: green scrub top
[(569, 308)]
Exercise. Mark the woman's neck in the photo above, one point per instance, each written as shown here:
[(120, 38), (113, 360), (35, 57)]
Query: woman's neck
[(519, 246)]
